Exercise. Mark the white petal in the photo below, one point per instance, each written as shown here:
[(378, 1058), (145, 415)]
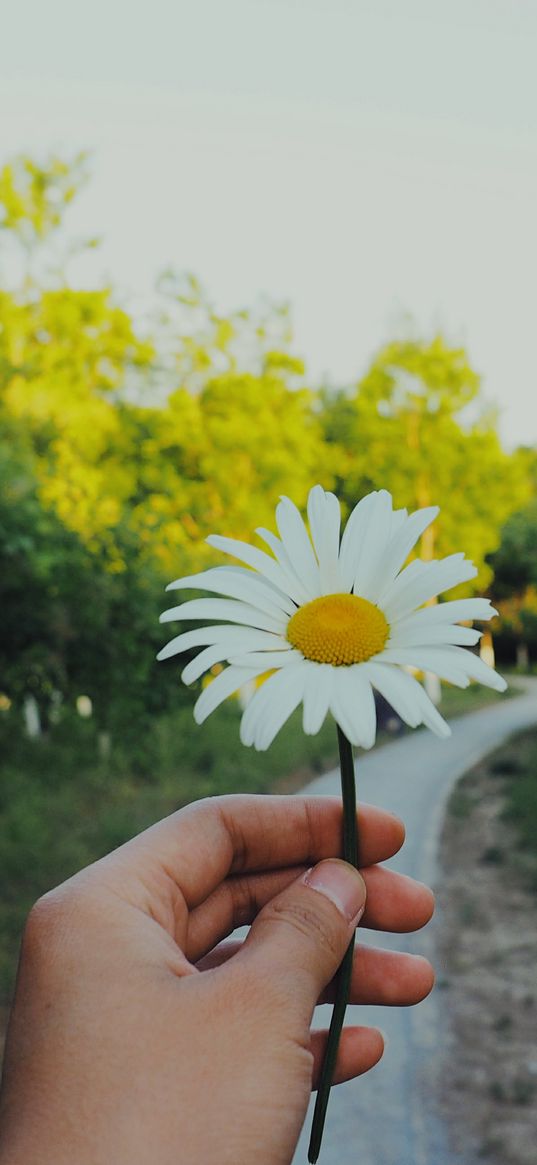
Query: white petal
[(258, 560), (427, 636), (225, 609), (395, 686), (430, 715), (400, 546), (252, 716), (251, 639), (238, 583), (407, 593), (398, 518), (451, 612), (353, 539), (266, 659), (295, 587), (282, 705), (375, 542), (296, 541), (206, 659), (353, 705), (318, 679), (271, 706), (407, 697), (477, 669), (435, 659), (235, 650), (415, 571), (228, 682), (324, 517), (416, 574)]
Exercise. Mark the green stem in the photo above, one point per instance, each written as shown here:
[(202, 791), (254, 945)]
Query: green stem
[(350, 854)]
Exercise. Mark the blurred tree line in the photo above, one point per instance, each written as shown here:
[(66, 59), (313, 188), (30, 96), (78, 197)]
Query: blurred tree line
[(124, 441)]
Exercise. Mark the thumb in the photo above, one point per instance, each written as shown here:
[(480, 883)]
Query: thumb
[(301, 936)]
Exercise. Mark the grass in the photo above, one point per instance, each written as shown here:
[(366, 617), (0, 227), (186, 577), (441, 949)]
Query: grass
[(461, 803), (459, 701)]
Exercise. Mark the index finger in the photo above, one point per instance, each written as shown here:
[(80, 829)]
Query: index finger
[(200, 845)]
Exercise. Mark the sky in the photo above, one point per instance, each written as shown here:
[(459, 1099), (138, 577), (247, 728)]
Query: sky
[(373, 162)]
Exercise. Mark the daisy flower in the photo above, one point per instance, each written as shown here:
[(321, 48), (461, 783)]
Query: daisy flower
[(327, 620), (331, 619)]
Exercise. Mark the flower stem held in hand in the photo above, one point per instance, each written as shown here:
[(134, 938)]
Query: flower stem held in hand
[(350, 854)]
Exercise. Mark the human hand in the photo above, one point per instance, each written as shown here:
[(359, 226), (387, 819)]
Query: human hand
[(138, 1037)]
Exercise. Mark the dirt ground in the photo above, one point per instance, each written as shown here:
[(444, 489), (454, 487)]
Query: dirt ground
[(488, 973)]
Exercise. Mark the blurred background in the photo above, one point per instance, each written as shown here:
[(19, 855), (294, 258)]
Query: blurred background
[(244, 247)]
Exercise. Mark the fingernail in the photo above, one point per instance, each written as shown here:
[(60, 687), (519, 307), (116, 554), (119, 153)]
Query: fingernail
[(342, 884)]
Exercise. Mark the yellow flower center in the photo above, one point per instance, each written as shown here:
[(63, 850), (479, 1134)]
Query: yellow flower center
[(338, 629)]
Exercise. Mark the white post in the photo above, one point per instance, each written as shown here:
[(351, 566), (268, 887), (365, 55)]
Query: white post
[(522, 657), (32, 719)]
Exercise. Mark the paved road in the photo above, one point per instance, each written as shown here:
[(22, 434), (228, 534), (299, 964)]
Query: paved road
[(388, 1116)]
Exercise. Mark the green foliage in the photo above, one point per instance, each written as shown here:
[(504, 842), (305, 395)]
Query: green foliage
[(402, 429), (66, 358), (514, 564), (197, 343), (41, 562), (34, 197), (235, 447), (71, 624)]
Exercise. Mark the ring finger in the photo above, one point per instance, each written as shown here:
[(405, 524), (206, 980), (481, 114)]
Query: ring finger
[(384, 978)]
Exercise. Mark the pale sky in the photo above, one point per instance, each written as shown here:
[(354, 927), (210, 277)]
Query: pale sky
[(367, 160)]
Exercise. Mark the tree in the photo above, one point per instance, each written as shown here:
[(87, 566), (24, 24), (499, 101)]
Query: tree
[(68, 361), (226, 454), (40, 563), (34, 198), (514, 586), (197, 343), (404, 428), (66, 357), (132, 455)]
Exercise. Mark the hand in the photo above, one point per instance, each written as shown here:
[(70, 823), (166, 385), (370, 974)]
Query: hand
[(137, 1037)]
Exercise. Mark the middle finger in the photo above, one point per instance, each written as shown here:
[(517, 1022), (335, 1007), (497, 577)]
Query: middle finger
[(395, 902)]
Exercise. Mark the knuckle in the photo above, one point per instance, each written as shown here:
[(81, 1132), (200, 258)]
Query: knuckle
[(319, 928), (244, 903), (45, 913), (42, 926), (52, 922)]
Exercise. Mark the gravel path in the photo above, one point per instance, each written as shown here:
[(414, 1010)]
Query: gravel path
[(388, 1116)]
